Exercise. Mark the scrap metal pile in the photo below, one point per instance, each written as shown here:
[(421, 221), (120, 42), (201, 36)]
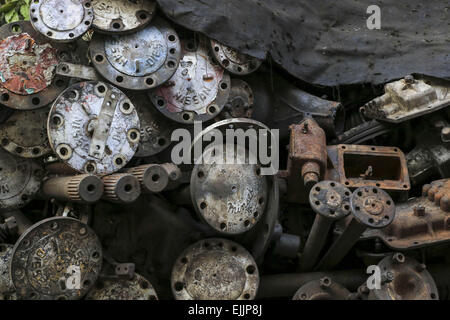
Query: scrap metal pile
[(93, 206)]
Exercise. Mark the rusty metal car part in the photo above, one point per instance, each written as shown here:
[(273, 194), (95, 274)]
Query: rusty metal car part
[(406, 279), (307, 160), (157, 177), (371, 207), (141, 61), (234, 61), (121, 187), (357, 166), (118, 16), (77, 71), (330, 201), (6, 285), (138, 288), (231, 198), (198, 90), (409, 98), (27, 67), (80, 188), (20, 180), (215, 269), (323, 289), (24, 134), (240, 101), (49, 253), (61, 20), (94, 128)]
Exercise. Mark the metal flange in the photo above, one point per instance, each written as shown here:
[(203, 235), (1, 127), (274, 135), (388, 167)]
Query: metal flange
[(199, 89), (122, 17), (234, 61), (240, 101), (215, 269), (323, 289), (140, 61), (25, 133), (330, 199), (138, 288), (61, 20), (27, 68), (94, 128), (52, 253)]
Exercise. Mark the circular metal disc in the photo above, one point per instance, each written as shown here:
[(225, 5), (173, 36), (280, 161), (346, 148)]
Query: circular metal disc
[(27, 68), (140, 61), (118, 16), (323, 289), (411, 281), (231, 198), (6, 285), (234, 61), (330, 199), (137, 288), (199, 89), (373, 207), (241, 100), (156, 131), (215, 269), (51, 252), (72, 122), (61, 20), (20, 180), (25, 133)]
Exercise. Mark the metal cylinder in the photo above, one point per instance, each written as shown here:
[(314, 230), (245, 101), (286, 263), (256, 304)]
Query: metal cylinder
[(80, 188), (121, 188), (156, 178)]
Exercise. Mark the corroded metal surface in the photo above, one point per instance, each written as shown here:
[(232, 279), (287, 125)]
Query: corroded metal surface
[(439, 193), (121, 187), (6, 285), (25, 133), (77, 71), (199, 89), (27, 68), (215, 269), (118, 16), (157, 177), (330, 199), (62, 20), (138, 288), (323, 289), (79, 188), (141, 61), (231, 198), (20, 180), (94, 128), (240, 101), (234, 61), (49, 253)]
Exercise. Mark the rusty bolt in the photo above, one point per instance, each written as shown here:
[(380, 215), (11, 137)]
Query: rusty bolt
[(419, 211), (325, 282), (387, 277), (398, 257)]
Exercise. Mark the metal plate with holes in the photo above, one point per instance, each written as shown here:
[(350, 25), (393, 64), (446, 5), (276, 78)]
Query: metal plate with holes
[(322, 289), (330, 199), (25, 133), (140, 61), (231, 198), (6, 285), (240, 101), (156, 130), (27, 68), (61, 20), (56, 259), (199, 89), (20, 180), (118, 16), (215, 269), (373, 207), (94, 128), (137, 288), (234, 61)]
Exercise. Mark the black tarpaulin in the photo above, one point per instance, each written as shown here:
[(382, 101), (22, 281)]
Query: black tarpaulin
[(328, 42)]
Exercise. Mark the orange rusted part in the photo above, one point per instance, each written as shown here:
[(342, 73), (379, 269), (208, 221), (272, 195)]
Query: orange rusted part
[(26, 67), (439, 193)]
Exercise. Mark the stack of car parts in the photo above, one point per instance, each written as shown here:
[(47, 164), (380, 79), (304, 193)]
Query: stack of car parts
[(97, 98)]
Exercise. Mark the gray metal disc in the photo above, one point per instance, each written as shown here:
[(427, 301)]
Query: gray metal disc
[(120, 17), (322, 289), (199, 89), (61, 20), (25, 133), (140, 61), (72, 120), (137, 288), (215, 269), (234, 61), (47, 254), (330, 199)]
